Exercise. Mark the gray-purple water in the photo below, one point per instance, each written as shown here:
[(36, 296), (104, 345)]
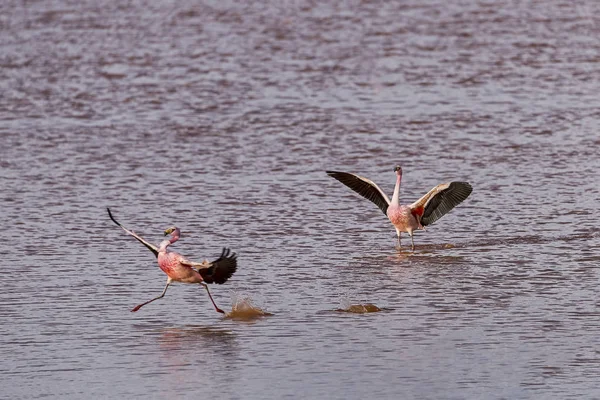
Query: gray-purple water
[(221, 117)]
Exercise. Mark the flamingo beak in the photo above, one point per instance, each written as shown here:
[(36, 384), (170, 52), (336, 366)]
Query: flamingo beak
[(168, 231)]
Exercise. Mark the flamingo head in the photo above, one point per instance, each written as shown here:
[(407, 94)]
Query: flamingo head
[(398, 170), (174, 232), (170, 230)]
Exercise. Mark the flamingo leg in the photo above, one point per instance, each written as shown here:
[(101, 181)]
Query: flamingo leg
[(412, 241), (211, 299), (156, 298)]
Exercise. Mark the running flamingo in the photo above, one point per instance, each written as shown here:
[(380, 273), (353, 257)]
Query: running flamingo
[(425, 211), (179, 269)]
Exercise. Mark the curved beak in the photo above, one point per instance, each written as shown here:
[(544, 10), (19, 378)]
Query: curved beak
[(168, 231)]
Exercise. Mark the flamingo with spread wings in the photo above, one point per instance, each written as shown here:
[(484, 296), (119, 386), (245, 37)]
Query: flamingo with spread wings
[(425, 211)]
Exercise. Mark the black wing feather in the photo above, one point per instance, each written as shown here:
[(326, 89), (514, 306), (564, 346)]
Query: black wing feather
[(444, 201), (150, 246), (221, 269), (368, 190)]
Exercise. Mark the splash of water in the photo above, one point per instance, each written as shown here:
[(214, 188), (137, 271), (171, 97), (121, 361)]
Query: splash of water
[(360, 308), (243, 308), (346, 306)]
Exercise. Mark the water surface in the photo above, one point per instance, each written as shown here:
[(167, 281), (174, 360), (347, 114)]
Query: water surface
[(221, 118)]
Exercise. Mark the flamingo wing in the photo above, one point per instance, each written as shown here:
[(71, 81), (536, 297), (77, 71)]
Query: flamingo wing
[(440, 200), (220, 270), (363, 186), (150, 246)]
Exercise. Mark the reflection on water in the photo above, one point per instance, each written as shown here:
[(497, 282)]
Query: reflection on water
[(190, 354), (216, 339)]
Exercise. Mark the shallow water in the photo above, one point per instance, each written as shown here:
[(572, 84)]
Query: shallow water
[(222, 117)]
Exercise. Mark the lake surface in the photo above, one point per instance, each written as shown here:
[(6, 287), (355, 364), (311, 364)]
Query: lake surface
[(221, 118)]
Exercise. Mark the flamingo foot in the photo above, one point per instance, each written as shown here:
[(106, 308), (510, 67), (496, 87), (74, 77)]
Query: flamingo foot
[(136, 308)]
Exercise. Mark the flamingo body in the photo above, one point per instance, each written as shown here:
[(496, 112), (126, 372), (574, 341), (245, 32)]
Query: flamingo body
[(171, 263), (408, 218), (176, 266), (403, 219)]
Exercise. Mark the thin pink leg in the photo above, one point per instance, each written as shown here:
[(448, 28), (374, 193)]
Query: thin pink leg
[(150, 301), (211, 299)]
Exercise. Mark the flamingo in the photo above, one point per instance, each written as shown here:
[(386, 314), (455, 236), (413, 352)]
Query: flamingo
[(180, 269), (425, 211)]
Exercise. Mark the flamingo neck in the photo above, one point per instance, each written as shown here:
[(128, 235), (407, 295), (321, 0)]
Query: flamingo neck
[(162, 248), (167, 242), (396, 196), (174, 236)]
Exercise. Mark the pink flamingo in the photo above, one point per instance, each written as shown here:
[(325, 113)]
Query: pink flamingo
[(179, 269), (425, 211)]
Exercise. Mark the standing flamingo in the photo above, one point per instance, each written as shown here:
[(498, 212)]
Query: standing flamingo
[(425, 211), (179, 269)]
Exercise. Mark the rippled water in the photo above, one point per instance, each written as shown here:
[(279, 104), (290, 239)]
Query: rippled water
[(221, 117)]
